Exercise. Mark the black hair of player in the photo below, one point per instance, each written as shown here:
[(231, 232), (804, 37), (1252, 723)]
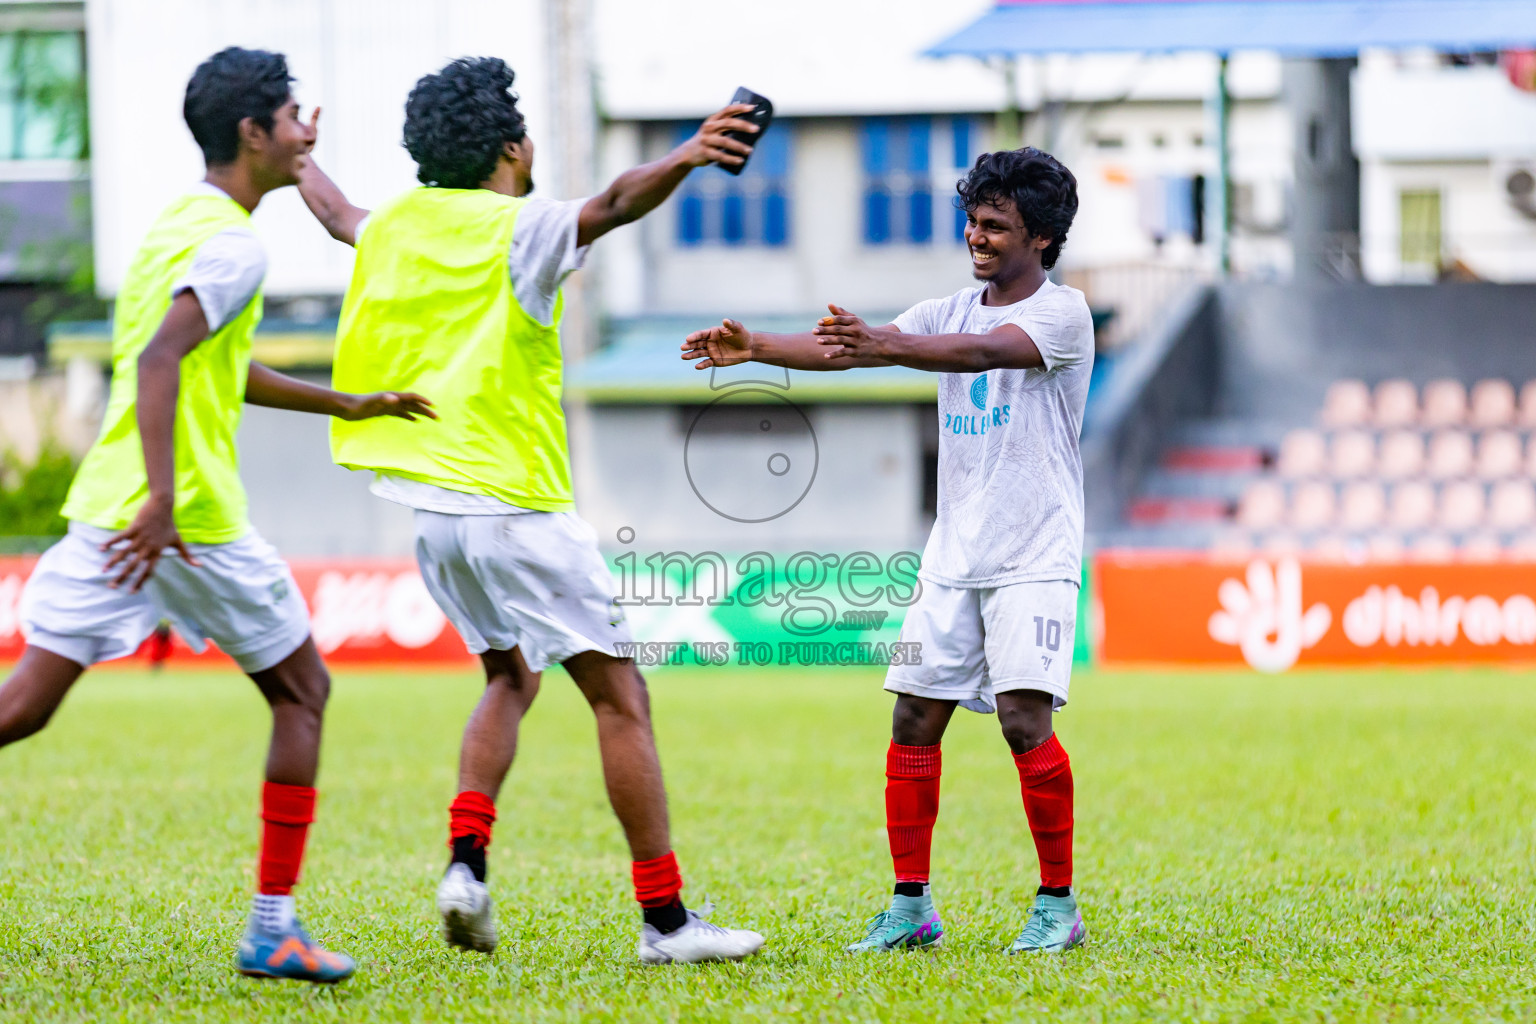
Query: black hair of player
[(1034, 183), (458, 120), (228, 87)]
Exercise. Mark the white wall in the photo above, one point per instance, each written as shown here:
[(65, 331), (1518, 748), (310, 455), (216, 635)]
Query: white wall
[(355, 58)]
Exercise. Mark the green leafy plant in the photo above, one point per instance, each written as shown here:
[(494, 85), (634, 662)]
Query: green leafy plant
[(31, 494)]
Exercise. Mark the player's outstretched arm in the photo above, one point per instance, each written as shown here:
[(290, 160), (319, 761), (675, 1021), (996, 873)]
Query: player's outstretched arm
[(732, 343), (1006, 347), (266, 387), (327, 202), (640, 190), (136, 550)]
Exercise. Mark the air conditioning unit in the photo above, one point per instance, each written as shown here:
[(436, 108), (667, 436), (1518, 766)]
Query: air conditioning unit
[(1517, 180)]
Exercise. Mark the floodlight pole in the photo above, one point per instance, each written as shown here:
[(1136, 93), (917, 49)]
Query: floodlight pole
[(1219, 197)]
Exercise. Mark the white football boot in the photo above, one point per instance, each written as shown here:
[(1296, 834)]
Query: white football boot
[(696, 942), (468, 918)]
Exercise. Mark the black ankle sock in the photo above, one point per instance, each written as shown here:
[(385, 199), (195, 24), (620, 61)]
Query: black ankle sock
[(468, 851), (910, 888), (1054, 890), (667, 919)]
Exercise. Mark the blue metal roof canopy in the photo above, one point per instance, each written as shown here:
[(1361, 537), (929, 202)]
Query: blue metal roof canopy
[(1312, 28)]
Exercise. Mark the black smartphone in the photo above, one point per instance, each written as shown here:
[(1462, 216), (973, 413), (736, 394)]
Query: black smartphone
[(761, 115)]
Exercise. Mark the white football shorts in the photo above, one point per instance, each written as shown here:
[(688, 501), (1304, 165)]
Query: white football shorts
[(975, 644), (242, 597), (534, 581)]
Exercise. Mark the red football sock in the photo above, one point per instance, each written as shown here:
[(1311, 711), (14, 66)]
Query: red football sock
[(471, 814), (657, 881), (286, 812), (911, 807), (1045, 777)]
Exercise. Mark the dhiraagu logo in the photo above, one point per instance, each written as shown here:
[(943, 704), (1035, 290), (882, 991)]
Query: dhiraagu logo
[(977, 425)]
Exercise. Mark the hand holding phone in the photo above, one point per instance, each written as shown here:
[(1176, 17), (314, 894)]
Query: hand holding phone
[(761, 115)]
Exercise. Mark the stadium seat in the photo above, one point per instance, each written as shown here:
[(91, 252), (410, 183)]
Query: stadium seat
[(1313, 506), (1445, 404), (1232, 546), (1522, 548), (1279, 545), (1450, 455), (1413, 505), (1347, 404), (1262, 505), (1433, 548), (1527, 414), (1498, 455), (1530, 457), (1493, 404), (1352, 454), (1384, 547), (1397, 404), (1480, 547), (1462, 505), (1513, 505), (1303, 453), (1402, 455), (1364, 506), (1332, 547)]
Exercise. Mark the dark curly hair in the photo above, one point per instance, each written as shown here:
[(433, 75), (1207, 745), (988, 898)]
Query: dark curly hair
[(1034, 183), (228, 87), (457, 121)]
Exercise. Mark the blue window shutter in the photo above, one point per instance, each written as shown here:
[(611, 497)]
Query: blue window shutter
[(877, 216), (775, 218), (920, 216)]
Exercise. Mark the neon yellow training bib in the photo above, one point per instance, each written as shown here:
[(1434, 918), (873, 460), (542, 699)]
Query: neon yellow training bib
[(111, 484), (431, 309)]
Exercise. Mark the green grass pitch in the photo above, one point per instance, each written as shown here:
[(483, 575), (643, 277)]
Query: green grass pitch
[(1317, 847)]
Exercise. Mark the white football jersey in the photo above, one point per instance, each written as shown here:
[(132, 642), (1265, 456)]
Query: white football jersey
[(1010, 476)]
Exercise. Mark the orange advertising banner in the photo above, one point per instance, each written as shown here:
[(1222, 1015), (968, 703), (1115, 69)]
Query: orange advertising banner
[(362, 611), (1275, 613)]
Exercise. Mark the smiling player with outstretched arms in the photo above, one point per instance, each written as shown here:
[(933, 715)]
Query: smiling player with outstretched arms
[(996, 611)]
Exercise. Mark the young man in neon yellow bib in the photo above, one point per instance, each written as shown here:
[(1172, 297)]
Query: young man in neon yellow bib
[(457, 290), (157, 514)]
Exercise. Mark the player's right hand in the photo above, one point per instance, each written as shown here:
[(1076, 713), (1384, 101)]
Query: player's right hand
[(137, 550), (726, 345), (711, 145)]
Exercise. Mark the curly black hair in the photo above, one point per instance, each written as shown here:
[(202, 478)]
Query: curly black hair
[(228, 87), (457, 121), (1034, 183)]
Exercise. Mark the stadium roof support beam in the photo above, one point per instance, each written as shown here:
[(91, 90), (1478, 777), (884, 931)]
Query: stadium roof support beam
[(1293, 28)]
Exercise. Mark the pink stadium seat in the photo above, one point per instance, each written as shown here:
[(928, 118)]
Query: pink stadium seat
[(1450, 455), (1493, 404), (1527, 414), (1445, 404), (1364, 506), (1352, 454), (1302, 453), (1462, 505), (1397, 404), (1402, 455), (1498, 455), (1513, 506), (1262, 505), (1481, 547), (1522, 548), (1347, 404), (1530, 457), (1279, 545), (1313, 505), (1384, 547), (1432, 548), (1413, 505), (1333, 547)]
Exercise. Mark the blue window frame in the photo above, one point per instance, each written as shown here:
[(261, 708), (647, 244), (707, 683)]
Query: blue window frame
[(750, 209), (910, 165)]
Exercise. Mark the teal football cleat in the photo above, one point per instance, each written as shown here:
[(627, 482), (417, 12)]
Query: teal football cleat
[(910, 923), (290, 954), (1055, 925)]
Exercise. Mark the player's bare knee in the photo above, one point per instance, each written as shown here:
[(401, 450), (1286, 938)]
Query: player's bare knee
[(18, 721), (1025, 719), (916, 722)]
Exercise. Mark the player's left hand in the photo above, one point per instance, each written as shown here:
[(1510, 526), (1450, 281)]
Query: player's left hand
[(137, 550), (405, 404), (848, 335)]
